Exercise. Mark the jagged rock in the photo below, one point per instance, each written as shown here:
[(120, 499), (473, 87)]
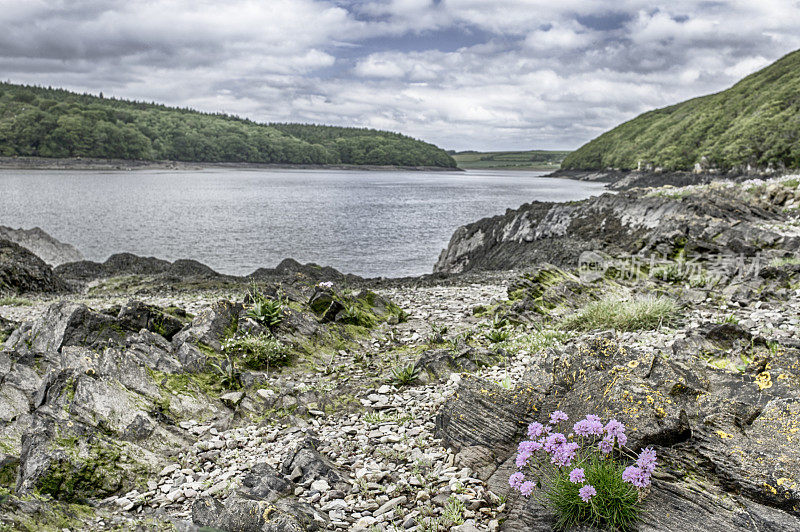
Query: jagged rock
[(441, 362), (734, 433), (87, 466), (308, 464), (21, 271), (130, 264), (118, 264), (65, 324), (483, 414), (42, 245), (136, 315), (6, 328), (713, 220), (240, 514), (232, 399), (324, 304), (264, 483), (211, 326), (190, 268)]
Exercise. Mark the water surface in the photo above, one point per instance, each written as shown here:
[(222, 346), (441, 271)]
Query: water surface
[(236, 220)]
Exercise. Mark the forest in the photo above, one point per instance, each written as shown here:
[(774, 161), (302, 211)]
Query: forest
[(755, 123), (46, 122)]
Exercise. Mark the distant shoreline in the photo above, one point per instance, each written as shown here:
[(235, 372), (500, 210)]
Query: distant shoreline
[(46, 163)]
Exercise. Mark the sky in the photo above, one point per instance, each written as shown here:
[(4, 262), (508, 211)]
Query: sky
[(462, 74)]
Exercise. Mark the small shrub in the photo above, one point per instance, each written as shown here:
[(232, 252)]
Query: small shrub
[(14, 301), (496, 336), (499, 322), (624, 315), (267, 312), (353, 314), (404, 375), (438, 333), (585, 480), (453, 512), (258, 352), (230, 376)]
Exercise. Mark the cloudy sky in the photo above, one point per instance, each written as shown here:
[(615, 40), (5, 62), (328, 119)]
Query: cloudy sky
[(464, 74)]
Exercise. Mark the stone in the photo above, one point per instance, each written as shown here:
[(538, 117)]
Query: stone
[(21, 271), (232, 399)]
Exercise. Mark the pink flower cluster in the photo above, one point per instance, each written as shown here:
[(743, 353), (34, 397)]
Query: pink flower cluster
[(562, 452), (639, 475)]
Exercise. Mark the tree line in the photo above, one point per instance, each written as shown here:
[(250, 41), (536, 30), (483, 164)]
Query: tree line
[(46, 122)]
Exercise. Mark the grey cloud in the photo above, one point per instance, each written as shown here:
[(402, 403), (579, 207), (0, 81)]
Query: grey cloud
[(481, 74)]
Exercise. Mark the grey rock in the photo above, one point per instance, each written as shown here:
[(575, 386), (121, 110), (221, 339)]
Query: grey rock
[(42, 245), (21, 271)]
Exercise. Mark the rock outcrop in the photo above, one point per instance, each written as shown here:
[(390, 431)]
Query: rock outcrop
[(44, 246), (718, 434), (21, 271), (715, 219)]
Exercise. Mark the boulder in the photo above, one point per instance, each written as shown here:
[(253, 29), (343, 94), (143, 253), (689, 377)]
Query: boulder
[(440, 363), (307, 464), (325, 305), (211, 326), (42, 245), (66, 324), (240, 514), (21, 271), (136, 315)]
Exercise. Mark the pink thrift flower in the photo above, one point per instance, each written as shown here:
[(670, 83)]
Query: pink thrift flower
[(516, 480), (606, 445), (647, 460), (557, 417), (535, 430), (527, 488), (554, 441), (577, 475), (587, 492)]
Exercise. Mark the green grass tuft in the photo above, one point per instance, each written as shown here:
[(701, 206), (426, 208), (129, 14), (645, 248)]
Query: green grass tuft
[(624, 315)]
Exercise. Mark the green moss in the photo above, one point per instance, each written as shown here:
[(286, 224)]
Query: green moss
[(74, 478), (8, 474), (259, 352), (14, 301)]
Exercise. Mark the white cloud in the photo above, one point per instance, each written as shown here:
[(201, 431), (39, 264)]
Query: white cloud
[(483, 74)]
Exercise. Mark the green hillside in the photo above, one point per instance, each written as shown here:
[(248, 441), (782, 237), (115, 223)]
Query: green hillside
[(41, 122), (510, 160), (756, 122)]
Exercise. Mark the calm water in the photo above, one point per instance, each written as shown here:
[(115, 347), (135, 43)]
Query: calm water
[(369, 223)]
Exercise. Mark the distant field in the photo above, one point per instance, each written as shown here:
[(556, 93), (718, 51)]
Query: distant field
[(511, 160)]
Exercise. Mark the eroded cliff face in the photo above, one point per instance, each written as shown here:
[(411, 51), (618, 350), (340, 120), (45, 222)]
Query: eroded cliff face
[(47, 248), (700, 220)]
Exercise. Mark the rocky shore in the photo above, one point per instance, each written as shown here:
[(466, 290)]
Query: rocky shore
[(139, 394), (88, 163)]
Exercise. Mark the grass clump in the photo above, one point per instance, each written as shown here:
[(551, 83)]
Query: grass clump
[(230, 378), (782, 261), (258, 352), (268, 312), (404, 375), (15, 301), (615, 312), (353, 314), (497, 336), (615, 505)]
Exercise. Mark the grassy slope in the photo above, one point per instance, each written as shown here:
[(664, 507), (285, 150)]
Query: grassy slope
[(44, 122), (511, 160), (756, 122)]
